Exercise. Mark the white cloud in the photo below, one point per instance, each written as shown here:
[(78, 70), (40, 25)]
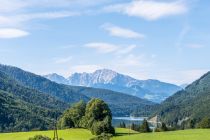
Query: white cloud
[(122, 32), (66, 3), (11, 5), (195, 46), (102, 47), (149, 9), (62, 60), (20, 19), (18, 13), (47, 15), (6, 33), (16, 5), (126, 50), (132, 60)]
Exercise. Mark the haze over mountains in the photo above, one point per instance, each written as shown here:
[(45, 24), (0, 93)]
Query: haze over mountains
[(152, 90)]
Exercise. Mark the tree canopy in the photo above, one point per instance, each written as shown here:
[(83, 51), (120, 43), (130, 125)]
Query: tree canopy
[(95, 116)]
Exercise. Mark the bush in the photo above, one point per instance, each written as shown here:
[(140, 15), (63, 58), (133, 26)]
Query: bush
[(158, 130), (103, 136), (205, 123), (40, 137)]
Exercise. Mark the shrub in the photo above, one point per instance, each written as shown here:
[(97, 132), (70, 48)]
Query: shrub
[(103, 136), (204, 123), (40, 137), (158, 130)]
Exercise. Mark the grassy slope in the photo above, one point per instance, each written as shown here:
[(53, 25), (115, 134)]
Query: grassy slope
[(72, 134), (122, 134)]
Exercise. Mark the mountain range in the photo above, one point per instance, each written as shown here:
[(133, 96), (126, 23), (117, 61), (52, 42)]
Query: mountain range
[(32, 102), (120, 104), (153, 90)]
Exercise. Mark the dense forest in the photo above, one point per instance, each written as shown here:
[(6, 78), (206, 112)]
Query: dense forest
[(188, 107), (23, 109)]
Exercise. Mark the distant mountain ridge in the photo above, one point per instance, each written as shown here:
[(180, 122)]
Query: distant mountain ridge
[(57, 78), (120, 104), (152, 90)]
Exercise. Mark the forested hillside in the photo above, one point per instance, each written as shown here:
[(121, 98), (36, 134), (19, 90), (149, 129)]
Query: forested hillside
[(30, 95), (22, 109), (39, 83), (191, 104), (120, 104)]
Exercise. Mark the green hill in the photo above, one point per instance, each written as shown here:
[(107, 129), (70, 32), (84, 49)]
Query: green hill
[(189, 104), (41, 84), (120, 104), (23, 109), (28, 95)]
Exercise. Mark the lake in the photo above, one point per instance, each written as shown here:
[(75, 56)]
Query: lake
[(127, 120)]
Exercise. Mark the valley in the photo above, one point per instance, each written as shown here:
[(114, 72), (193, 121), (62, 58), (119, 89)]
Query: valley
[(104, 70), (22, 93)]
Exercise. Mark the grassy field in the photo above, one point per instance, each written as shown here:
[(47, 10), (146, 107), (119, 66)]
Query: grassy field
[(199, 134), (122, 134), (70, 134)]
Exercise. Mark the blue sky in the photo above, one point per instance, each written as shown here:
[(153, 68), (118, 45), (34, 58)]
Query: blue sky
[(147, 39)]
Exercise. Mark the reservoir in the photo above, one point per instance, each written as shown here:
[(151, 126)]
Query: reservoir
[(127, 120)]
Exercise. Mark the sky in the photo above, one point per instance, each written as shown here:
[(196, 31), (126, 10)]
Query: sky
[(168, 40)]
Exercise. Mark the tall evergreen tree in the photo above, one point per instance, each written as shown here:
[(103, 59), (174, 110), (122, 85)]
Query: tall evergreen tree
[(164, 127), (122, 125), (144, 128)]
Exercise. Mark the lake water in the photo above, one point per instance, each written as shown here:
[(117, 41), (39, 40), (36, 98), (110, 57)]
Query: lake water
[(127, 120)]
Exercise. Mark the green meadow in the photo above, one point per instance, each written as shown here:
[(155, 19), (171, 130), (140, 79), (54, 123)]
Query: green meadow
[(197, 134), (121, 134)]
